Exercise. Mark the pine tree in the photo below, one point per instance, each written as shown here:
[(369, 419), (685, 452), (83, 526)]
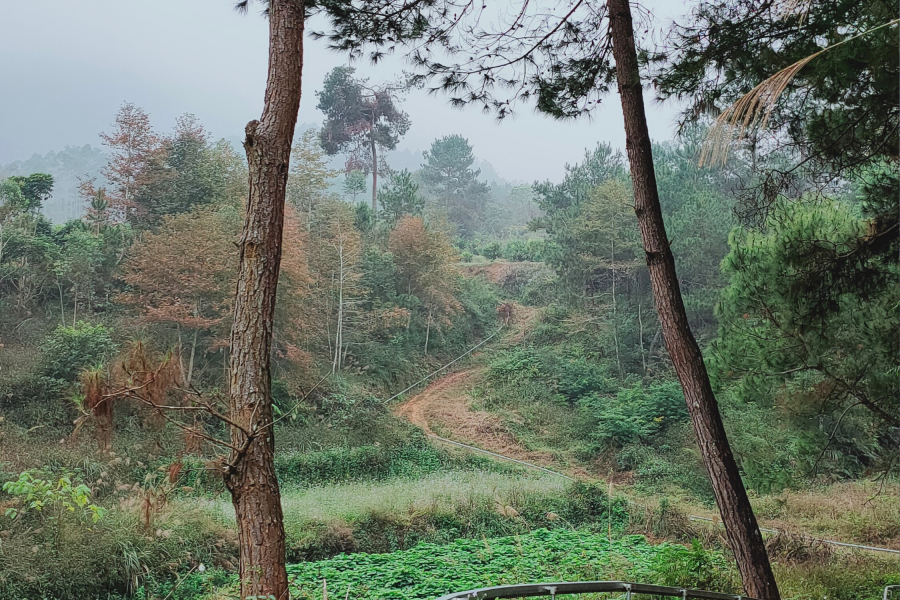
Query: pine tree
[(362, 120), (449, 177)]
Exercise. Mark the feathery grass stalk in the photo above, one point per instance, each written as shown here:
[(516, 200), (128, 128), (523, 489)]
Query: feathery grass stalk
[(752, 111)]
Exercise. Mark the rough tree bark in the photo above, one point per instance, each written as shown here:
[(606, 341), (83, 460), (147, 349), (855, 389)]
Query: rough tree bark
[(734, 505), (250, 474)]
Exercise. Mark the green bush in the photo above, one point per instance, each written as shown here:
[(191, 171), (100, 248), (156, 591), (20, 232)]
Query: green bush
[(491, 250), (696, 568), (515, 250), (579, 376), (674, 462), (68, 350), (635, 414), (64, 555), (524, 250), (571, 377), (35, 400), (190, 586)]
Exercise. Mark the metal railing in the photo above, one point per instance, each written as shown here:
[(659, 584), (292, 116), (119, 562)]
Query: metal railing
[(586, 587)]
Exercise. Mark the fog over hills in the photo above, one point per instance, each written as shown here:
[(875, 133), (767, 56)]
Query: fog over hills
[(75, 63), (71, 165)]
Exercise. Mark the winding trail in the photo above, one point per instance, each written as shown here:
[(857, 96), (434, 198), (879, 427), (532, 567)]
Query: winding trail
[(443, 410), (418, 409)]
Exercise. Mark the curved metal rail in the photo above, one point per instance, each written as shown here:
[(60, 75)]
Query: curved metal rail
[(585, 587)]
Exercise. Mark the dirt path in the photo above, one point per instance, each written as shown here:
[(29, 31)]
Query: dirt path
[(418, 409), (444, 409), (444, 405)]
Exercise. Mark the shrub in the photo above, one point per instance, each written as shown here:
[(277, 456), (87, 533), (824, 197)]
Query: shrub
[(515, 250), (71, 557), (573, 377), (68, 350), (52, 498), (491, 250), (522, 250), (696, 568), (37, 394), (635, 414)]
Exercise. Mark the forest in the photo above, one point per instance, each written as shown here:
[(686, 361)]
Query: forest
[(290, 367)]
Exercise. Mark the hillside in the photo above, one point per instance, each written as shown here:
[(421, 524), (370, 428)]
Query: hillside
[(315, 363)]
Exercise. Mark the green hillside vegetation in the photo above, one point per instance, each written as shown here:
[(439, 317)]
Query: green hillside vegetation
[(115, 342)]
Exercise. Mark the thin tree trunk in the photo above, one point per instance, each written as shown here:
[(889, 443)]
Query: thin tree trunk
[(226, 370), (180, 353), (374, 177), (612, 254), (250, 472), (190, 371), (339, 330), (641, 337), (427, 329), (62, 305), (328, 316), (654, 341), (731, 497)]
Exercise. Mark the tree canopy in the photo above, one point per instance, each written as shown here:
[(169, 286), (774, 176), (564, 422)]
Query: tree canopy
[(449, 177)]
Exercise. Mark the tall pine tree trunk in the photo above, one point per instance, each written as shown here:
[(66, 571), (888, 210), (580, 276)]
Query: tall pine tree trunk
[(731, 497), (250, 474)]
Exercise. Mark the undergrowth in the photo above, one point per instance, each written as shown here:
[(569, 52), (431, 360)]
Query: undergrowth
[(428, 570), (399, 514)]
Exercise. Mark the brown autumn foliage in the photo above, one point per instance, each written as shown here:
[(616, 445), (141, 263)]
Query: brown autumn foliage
[(183, 275), (99, 404), (137, 374), (293, 312), (149, 377), (426, 259), (132, 142)]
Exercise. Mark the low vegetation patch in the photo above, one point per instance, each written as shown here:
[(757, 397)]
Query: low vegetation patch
[(415, 458), (380, 517), (429, 570)]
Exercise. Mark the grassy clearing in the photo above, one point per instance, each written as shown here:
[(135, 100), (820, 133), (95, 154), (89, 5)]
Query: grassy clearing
[(440, 492), (411, 458), (858, 512), (841, 576), (861, 512), (388, 516)]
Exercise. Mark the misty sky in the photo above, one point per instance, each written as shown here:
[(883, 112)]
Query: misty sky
[(67, 66)]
